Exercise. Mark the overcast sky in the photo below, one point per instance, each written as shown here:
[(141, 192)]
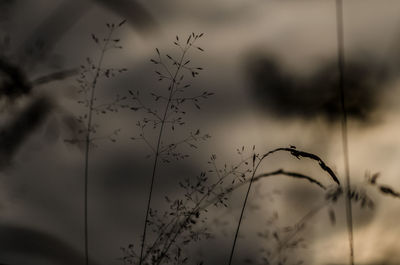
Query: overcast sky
[(272, 67)]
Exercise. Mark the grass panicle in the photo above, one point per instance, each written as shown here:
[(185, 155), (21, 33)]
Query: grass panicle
[(177, 73), (88, 81)]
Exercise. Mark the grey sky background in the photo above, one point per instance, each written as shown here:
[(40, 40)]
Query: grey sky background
[(42, 187)]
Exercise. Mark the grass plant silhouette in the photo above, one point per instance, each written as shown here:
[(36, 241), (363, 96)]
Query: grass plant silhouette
[(174, 72), (89, 78)]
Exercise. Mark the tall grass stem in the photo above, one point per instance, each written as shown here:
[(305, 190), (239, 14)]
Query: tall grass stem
[(341, 68), (87, 144), (157, 152)]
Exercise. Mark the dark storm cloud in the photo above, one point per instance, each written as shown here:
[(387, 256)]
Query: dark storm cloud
[(36, 244), (15, 133), (290, 95)]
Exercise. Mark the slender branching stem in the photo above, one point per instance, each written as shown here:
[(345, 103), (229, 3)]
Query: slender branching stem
[(158, 147), (88, 141), (196, 208)]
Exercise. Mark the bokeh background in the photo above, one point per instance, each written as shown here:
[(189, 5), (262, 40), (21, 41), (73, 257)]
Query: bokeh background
[(273, 68)]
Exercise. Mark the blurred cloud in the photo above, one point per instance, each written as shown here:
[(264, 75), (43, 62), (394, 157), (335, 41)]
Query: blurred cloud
[(135, 13), (37, 246), (13, 82), (48, 32), (290, 95), (5, 7), (15, 132)]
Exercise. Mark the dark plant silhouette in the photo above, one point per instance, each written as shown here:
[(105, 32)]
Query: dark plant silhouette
[(90, 75), (170, 231), (176, 228), (171, 102), (256, 162), (384, 189)]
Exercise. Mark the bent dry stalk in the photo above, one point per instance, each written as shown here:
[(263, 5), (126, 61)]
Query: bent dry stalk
[(256, 162)]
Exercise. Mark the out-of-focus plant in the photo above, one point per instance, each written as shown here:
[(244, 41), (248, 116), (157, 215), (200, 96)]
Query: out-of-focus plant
[(92, 72)]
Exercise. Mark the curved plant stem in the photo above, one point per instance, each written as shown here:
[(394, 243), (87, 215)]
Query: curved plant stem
[(158, 147), (88, 141), (279, 172), (244, 207), (341, 61), (293, 152)]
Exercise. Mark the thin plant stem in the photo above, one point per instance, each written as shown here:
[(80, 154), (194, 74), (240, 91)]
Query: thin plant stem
[(158, 147), (243, 208), (279, 172), (87, 144), (341, 66)]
